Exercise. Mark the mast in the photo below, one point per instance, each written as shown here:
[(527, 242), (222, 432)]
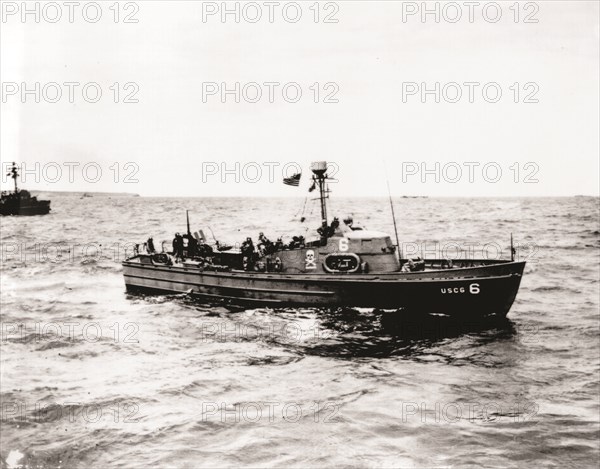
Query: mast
[(14, 174), (319, 168)]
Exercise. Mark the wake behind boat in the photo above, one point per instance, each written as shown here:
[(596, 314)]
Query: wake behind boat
[(344, 265)]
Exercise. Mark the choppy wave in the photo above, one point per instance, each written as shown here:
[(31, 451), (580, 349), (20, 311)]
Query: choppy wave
[(95, 377)]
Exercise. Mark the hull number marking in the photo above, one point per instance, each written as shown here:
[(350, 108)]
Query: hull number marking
[(473, 289)]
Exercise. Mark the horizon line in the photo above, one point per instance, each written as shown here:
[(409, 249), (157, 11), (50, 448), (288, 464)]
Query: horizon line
[(134, 194)]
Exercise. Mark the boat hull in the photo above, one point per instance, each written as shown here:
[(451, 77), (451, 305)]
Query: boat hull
[(478, 291), (40, 208)]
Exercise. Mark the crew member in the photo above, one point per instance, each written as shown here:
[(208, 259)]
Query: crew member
[(265, 245), (178, 246), (408, 266), (248, 254)]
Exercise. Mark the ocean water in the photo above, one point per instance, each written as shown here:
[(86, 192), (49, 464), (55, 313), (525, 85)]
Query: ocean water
[(94, 377)]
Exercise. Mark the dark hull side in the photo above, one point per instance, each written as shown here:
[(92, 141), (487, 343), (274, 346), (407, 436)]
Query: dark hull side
[(481, 291), (40, 208)]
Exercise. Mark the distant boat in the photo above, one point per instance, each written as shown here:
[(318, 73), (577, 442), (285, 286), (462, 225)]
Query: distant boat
[(344, 266), (85, 195), (21, 202)]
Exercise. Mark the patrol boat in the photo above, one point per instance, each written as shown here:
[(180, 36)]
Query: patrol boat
[(344, 266), (21, 202)]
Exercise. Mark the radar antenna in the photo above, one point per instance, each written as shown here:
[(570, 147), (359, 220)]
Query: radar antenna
[(14, 173), (319, 169)]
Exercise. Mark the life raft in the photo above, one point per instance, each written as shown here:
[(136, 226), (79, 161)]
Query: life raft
[(347, 262), (161, 258)]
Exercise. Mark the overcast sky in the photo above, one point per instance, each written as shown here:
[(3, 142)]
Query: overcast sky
[(178, 139)]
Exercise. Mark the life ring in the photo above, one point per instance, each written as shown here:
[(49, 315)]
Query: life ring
[(347, 262)]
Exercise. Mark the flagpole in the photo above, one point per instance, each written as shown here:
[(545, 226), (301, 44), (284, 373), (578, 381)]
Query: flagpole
[(394, 220), (512, 249)]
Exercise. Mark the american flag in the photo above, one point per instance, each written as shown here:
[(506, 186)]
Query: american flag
[(293, 180)]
